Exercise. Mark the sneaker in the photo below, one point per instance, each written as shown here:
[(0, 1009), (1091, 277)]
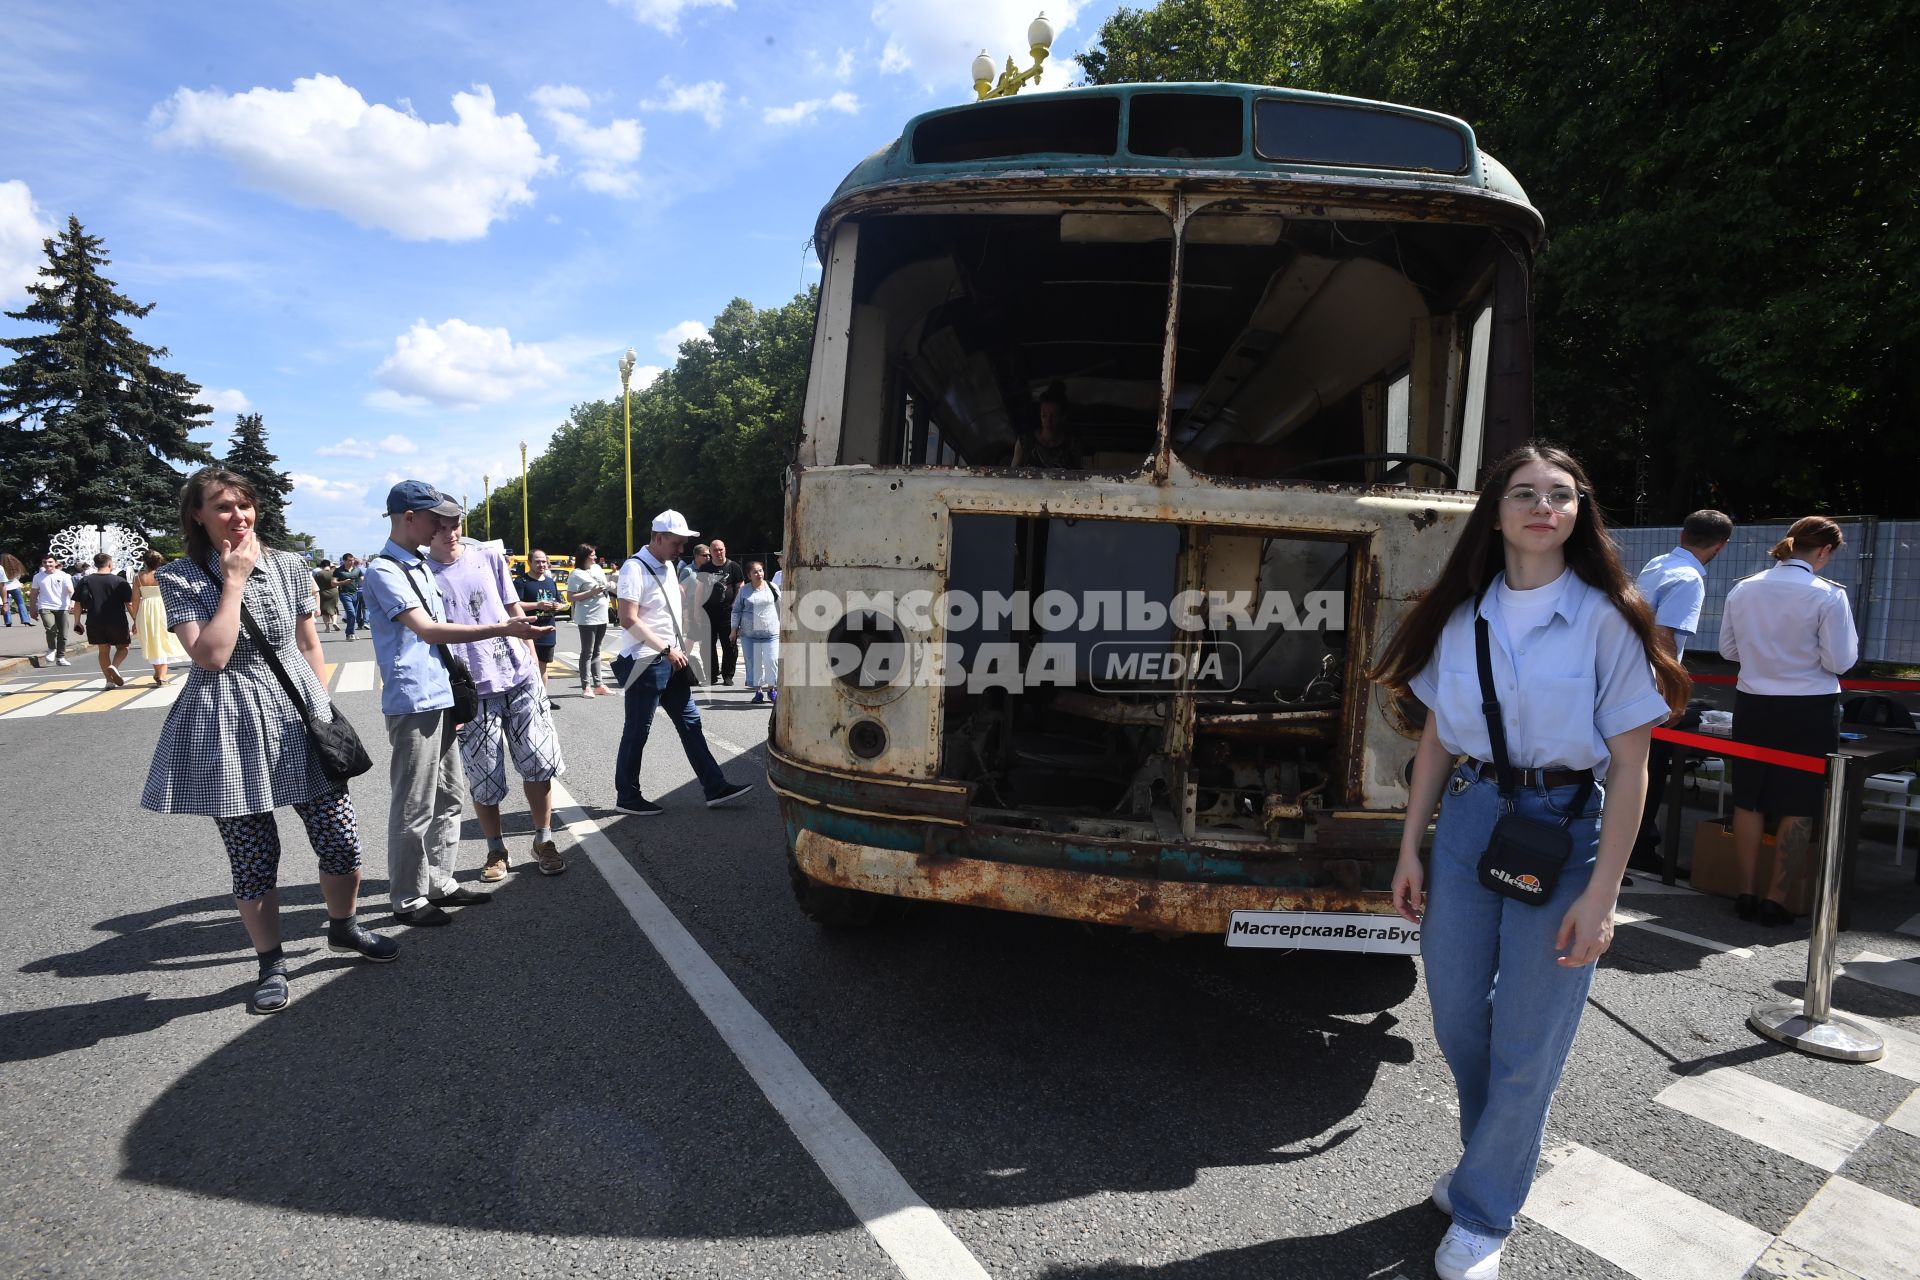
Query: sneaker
[(586, 692), (1442, 1186), (1465, 1254), (551, 863), (424, 916), (62, 662), (114, 677), (759, 696), (51, 656), (461, 897), (496, 868), (773, 695), (645, 808), (729, 795), (354, 937), (603, 691)]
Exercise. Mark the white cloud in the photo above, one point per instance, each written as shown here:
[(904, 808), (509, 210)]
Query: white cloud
[(605, 153), (646, 375), (843, 68), (665, 14), (800, 112), (352, 448), (322, 145), (230, 400), (21, 233), (708, 100), (938, 42), (686, 331), (456, 364), (321, 489)]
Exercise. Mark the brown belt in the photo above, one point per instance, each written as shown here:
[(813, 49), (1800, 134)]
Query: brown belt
[(1548, 778)]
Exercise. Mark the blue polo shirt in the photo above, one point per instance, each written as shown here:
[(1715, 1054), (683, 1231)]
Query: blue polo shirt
[(414, 679), (1564, 688), (1675, 584)]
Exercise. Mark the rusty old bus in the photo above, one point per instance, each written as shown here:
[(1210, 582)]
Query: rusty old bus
[(1286, 325)]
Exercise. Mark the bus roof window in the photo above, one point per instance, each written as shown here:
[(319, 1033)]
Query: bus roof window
[(1082, 126), (1186, 125)]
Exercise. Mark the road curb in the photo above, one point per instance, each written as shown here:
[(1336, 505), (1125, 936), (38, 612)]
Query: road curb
[(8, 664)]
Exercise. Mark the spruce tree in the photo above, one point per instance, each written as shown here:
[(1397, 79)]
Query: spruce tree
[(248, 455), (90, 426)]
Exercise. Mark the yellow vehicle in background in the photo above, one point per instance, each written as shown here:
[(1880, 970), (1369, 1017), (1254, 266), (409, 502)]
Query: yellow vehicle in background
[(560, 566)]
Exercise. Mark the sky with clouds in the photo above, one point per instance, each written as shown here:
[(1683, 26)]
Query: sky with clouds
[(413, 236)]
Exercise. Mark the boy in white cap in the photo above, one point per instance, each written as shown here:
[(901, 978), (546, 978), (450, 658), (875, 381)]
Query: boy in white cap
[(652, 667)]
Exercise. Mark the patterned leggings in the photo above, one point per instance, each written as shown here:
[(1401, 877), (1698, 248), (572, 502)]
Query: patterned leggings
[(253, 843)]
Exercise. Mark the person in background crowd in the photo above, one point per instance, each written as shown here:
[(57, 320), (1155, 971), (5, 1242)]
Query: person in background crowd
[(1580, 680), (756, 625), (1675, 586), (539, 590), (1792, 633), (52, 602), (589, 591), (105, 600), (722, 579), (234, 747), (323, 582), (347, 576), (157, 644), (1053, 445), (513, 717), (653, 668), (13, 584), (698, 585), (409, 622)]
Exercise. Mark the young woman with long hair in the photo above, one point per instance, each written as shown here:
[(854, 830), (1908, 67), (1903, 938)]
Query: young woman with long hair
[(157, 644), (1580, 681)]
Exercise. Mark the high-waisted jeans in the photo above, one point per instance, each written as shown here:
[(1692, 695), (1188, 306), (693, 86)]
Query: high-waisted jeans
[(1504, 1009)]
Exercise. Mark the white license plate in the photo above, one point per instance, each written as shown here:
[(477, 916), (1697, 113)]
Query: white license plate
[(1324, 931)]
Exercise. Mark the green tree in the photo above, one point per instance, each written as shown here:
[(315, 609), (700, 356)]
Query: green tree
[(90, 425), (1730, 188), (248, 454)]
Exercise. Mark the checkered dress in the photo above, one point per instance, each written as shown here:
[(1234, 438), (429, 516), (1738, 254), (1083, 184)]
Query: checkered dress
[(233, 744)]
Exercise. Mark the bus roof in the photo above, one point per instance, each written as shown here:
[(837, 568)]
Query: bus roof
[(1174, 130)]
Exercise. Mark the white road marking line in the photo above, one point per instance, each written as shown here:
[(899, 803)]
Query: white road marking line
[(1646, 1228), (355, 677), (164, 696), (50, 704), (1641, 920), (1907, 1118), (1903, 1049), (1868, 966), (1772, 1115), (1872, 1235), (903, 1224)]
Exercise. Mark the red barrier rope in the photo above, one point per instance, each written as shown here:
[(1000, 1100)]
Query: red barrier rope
[(1869, 686), (1744, 750)]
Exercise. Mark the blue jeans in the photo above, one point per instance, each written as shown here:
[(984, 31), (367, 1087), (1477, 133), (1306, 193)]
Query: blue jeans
[(1504, 1010), (760, 653), (15, 602), (354, 609), (646, 690)]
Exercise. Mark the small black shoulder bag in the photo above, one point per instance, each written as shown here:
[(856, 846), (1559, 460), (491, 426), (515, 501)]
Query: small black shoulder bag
[(1524, 856)]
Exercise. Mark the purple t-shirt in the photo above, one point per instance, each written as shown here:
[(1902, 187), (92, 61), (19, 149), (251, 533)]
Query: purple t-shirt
[(475, 589)]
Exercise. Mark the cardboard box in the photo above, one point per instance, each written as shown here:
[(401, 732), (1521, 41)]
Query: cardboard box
[(1717, 870)]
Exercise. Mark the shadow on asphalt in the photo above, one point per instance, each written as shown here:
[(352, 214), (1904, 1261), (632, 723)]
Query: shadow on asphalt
[(1395, 1244), (534, 1068)]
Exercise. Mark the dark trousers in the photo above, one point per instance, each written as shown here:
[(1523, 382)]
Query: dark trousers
[(723, 651), (657, 686)]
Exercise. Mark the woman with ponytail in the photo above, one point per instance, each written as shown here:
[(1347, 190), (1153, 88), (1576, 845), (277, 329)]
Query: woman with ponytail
[(1535, 585), (1791, 631)]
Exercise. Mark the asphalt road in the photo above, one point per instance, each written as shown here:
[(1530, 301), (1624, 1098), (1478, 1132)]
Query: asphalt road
[(536, 1090)]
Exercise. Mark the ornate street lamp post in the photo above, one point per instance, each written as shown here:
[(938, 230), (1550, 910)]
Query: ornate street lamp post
[(1039, 42), (626, 405)]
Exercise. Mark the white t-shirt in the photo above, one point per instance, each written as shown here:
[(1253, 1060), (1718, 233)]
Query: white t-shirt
[(1521, 612), (52, 590), (588, 613), (655, 588)]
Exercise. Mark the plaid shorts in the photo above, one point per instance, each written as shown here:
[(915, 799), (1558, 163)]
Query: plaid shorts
[(515, 721)]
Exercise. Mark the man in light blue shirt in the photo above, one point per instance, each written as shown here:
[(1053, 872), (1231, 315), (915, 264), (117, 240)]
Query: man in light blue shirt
[(1675, 584), (409, 623)]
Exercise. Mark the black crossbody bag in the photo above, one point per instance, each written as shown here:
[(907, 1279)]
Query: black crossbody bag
[(466, 694), (1524, 856), (335, 744)]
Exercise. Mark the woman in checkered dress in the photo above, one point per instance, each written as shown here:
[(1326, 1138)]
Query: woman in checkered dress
[(234, 747)]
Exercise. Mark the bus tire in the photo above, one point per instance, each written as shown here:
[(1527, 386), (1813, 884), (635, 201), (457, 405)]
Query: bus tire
[(830, 905)]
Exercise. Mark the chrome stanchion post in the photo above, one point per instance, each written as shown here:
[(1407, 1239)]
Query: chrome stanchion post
[(1810, 1025)]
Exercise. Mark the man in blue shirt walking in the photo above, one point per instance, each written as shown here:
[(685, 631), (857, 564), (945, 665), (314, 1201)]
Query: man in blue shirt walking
[(1675, 584)]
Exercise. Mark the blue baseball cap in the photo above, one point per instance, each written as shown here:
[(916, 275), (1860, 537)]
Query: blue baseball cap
[(418, 495)]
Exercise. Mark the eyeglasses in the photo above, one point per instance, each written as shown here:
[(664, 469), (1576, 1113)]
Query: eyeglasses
[(1561, 500)]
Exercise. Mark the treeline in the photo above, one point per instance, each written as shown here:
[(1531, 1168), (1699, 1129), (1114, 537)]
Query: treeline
[(711, 437), (1725, 309)]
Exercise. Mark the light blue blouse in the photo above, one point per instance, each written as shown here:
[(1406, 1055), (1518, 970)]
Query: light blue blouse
[(1564, 688)]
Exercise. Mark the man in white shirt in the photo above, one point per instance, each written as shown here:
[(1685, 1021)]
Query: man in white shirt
[(52, 601), (652, 666), (1675, 585)]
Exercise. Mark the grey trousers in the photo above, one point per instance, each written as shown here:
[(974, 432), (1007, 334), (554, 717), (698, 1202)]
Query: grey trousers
[(429, 791), (54, 623)]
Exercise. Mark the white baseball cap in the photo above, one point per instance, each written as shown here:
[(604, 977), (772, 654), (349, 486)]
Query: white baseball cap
[(673, 522)]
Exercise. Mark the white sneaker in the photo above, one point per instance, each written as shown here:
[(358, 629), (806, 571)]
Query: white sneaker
[(1465, 1254), (586, 693), (62, 662), (1441, 1187), (51, 656)]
